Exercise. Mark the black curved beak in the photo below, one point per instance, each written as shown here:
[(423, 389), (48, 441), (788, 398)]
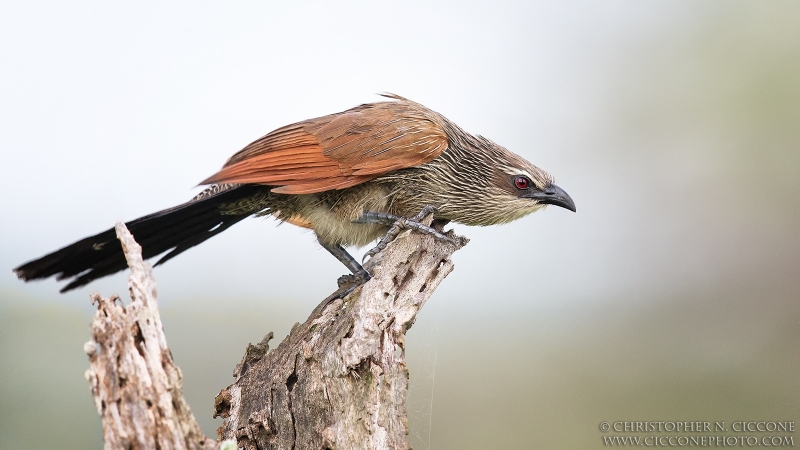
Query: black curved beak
[(553, 195)]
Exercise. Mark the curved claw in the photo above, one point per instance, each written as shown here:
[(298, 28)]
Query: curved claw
[(370, 253), (427, 209), (383, 242)]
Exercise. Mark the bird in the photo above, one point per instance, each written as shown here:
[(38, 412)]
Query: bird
[(351, 177)]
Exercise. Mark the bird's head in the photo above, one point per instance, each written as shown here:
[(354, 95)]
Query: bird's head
[(478, 182), (519, 188), (514, 187), (526, 183)]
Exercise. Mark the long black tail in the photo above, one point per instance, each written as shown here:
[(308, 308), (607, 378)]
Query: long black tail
[(176, 229)]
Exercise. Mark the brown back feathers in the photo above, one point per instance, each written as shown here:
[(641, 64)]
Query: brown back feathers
[(339, 150)]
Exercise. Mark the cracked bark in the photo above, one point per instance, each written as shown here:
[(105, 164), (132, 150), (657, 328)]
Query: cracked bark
[(338, 381), (136, 386)]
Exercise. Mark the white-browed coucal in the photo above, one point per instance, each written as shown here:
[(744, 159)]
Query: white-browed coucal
[(348, 176)]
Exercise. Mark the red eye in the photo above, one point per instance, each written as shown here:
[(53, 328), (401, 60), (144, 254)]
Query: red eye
[(521, 183)]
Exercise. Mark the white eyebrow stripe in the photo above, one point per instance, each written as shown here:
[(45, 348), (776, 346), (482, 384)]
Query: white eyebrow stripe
[(516, 171)]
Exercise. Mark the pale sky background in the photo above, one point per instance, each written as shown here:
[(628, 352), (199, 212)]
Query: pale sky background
[(672, 294)]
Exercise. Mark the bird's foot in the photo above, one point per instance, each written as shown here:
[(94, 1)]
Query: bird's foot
[(351, 279), (398, 223), (346, 279), (347, 284)]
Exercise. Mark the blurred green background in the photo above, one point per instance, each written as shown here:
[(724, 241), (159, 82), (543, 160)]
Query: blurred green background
[(673, 294)]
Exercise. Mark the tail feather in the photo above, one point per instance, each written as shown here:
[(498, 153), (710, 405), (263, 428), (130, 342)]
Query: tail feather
[(176, 229)]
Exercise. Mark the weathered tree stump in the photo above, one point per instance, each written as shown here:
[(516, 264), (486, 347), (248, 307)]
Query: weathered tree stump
[(136, 386), (338, 381)]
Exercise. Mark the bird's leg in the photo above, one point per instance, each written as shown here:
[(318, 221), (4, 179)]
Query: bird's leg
[(399, 223), (359, 276)]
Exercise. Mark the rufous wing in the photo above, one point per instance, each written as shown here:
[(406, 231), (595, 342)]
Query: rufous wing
[(339, 150)]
